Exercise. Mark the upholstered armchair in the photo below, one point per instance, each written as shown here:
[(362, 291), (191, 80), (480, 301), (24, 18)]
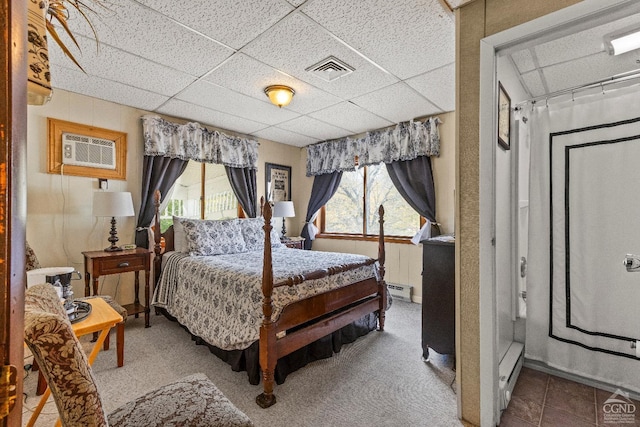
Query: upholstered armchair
[(190, 401)]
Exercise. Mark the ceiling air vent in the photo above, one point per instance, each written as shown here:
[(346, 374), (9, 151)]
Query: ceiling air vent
[(330, 69)]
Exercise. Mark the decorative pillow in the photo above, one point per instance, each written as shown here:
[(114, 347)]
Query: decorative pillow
[(253, 234), (209, 237), (179, 237)]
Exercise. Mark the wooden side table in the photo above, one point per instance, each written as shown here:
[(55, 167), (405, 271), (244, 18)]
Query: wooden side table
[(101, 263), (294, 242)]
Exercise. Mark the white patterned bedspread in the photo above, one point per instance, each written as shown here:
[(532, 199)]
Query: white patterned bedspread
[(219, 298)]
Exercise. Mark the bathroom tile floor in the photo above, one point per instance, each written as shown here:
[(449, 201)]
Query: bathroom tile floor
[(540, 399)]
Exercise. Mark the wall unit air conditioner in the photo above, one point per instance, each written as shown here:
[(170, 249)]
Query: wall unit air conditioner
[(81, 150)]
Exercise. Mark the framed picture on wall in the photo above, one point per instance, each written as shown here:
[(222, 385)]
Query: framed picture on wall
[(277, 183), (504, 118)]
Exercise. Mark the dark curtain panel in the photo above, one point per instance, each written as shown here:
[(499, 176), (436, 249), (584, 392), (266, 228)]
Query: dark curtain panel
[(324, 187), (243, 182), (414, 180), (159, 173)]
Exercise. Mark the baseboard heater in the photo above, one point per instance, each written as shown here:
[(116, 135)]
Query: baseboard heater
[(402, 292), (509, 369)]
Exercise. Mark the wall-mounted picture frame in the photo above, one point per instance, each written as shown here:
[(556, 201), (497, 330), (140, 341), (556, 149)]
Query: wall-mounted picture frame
[(277, 182), (504, 118)]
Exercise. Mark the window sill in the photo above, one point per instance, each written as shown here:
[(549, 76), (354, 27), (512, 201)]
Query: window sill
[(368, 238)]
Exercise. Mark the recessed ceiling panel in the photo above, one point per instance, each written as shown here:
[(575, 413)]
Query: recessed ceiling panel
[(297, 43), (405, 37), (234, 23), (587, 70), (74, 80), (437, 86), (244, 74), (285, 137), (581, 44), (314, 128), (112, 64), (220, 99), (206, 116), (397, 103), (349, 116), (523, 60), (134, 28)]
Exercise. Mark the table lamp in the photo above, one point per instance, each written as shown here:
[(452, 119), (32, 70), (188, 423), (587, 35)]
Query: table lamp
[(113, 204), (284, 210)]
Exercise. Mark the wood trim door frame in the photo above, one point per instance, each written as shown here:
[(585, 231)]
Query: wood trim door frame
[(13, 141)]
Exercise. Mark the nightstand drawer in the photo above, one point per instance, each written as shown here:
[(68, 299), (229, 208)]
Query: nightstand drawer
[(297, 243), (121, 265)]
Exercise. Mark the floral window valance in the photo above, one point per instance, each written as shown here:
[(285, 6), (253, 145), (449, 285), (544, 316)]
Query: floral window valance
[(191, 141), (405, 141)]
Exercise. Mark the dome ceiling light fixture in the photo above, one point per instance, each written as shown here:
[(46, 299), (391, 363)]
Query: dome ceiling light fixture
[(279, 95)]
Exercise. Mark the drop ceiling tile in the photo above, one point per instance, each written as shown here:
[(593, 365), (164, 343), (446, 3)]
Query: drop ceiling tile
[(405, 37), (349, 116), (438, 86), (314, 128), (118, 66), (246, 75), (533, 83), (410, 105), (578, 45), (523, 60), (285, 137), (232, 22), (218, 98), (130, 26), (297, 43), (587, 70), (210, 117), (296, 3), (76, 81)]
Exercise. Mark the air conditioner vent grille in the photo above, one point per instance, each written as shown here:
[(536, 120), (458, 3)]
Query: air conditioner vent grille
[(81, 150), (330, 69)]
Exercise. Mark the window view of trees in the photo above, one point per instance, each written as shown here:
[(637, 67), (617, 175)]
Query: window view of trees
[(190, 199), (364, 191)]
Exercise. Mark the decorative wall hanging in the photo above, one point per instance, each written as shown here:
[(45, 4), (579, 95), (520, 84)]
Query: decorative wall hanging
[(504, 118)]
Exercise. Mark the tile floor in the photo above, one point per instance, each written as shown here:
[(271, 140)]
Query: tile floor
[(541, 399)]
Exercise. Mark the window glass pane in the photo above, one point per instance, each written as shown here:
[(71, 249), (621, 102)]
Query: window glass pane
[(343, 213), (219, 200), (185, 196), (399, 218)]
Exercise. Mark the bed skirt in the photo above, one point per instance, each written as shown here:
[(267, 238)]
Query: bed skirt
[(249, 358)]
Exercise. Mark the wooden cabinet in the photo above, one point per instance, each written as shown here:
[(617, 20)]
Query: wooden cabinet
[(438, 297), (294, 242), (101, 263)]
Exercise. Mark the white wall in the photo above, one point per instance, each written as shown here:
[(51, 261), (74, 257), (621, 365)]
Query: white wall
[(60, 224), (506, 200), (404, 261)]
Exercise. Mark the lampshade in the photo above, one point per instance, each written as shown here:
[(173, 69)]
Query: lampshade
[(112, 203), (279, 95), (284, 210)]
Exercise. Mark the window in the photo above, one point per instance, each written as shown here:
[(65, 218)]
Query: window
[(353, 210), (191, 198)]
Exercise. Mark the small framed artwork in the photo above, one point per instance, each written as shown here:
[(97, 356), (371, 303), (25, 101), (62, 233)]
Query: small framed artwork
[(277, 183), (504, 118)]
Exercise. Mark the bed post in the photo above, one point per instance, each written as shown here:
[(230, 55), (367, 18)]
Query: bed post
[(268, 353), (382, 287), (157, 249)]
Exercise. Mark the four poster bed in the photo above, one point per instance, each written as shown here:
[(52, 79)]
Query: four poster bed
[(239, 290)]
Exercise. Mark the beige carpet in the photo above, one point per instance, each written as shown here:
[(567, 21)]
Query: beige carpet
[(379, 380)]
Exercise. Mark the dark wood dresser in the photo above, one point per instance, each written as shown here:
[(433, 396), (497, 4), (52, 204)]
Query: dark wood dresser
[(438, 297)]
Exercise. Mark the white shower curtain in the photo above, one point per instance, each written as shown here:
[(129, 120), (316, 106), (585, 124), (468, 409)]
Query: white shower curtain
[(584, 216)]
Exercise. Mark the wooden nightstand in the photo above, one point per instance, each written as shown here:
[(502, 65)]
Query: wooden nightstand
[(101, 263), (294, 242)]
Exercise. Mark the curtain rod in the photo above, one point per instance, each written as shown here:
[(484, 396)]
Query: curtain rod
[(629, 75)]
